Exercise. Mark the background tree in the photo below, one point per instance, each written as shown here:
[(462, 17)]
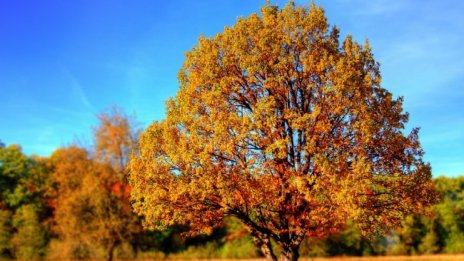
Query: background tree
[(279, 125), (6, 231), (407, 238), (30, 240), (431, 243), (23, 209), (91, 191), (116, 136), (14, 171), (450, 213), (75, 222)]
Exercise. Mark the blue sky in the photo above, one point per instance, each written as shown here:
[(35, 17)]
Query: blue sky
[(61, 62)]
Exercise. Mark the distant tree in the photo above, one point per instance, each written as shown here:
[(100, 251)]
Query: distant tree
[(30, 240), (14, 171), (409, 236), (22, 205), (75, 223), (6, 231), (92, 195), (89, 212), (115, 138), (279, 125), (450, 213), (348, 242), (431, 242)]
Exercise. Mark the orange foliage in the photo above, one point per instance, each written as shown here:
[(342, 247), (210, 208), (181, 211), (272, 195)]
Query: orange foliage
[(91, 197), (282, 126), (115, 138)]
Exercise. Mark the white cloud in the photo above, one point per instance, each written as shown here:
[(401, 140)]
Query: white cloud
[(76, 89)]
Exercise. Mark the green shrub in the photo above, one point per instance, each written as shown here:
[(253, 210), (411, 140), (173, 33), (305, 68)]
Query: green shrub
[(29, 241)]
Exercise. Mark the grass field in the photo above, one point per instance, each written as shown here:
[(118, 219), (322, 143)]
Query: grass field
[(383, 258), (393, 258), (459, 257)]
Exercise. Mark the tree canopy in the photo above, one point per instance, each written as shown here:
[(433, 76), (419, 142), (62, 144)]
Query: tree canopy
[(283, 126), (90, 192), (115, 138)]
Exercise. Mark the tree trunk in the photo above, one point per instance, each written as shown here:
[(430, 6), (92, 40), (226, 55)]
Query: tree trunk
[(264, 243), (266, 249), (289, 253), (110, 250)]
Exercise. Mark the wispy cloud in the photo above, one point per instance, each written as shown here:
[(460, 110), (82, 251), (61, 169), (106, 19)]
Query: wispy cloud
[(434, 55), (77, 90), (421, 51)]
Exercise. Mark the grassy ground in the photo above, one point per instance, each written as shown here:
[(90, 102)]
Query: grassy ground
[(459, 257), (383, 258), (394, 258)]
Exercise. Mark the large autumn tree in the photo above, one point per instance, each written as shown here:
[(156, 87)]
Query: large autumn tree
[(282, 126)]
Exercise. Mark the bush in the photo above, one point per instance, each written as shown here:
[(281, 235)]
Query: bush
[(30, 240), (239, 248)]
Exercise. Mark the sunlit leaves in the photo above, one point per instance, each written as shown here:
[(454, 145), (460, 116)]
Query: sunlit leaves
[(280, 125)]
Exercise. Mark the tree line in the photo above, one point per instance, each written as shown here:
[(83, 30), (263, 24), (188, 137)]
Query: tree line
[(76, 204)]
